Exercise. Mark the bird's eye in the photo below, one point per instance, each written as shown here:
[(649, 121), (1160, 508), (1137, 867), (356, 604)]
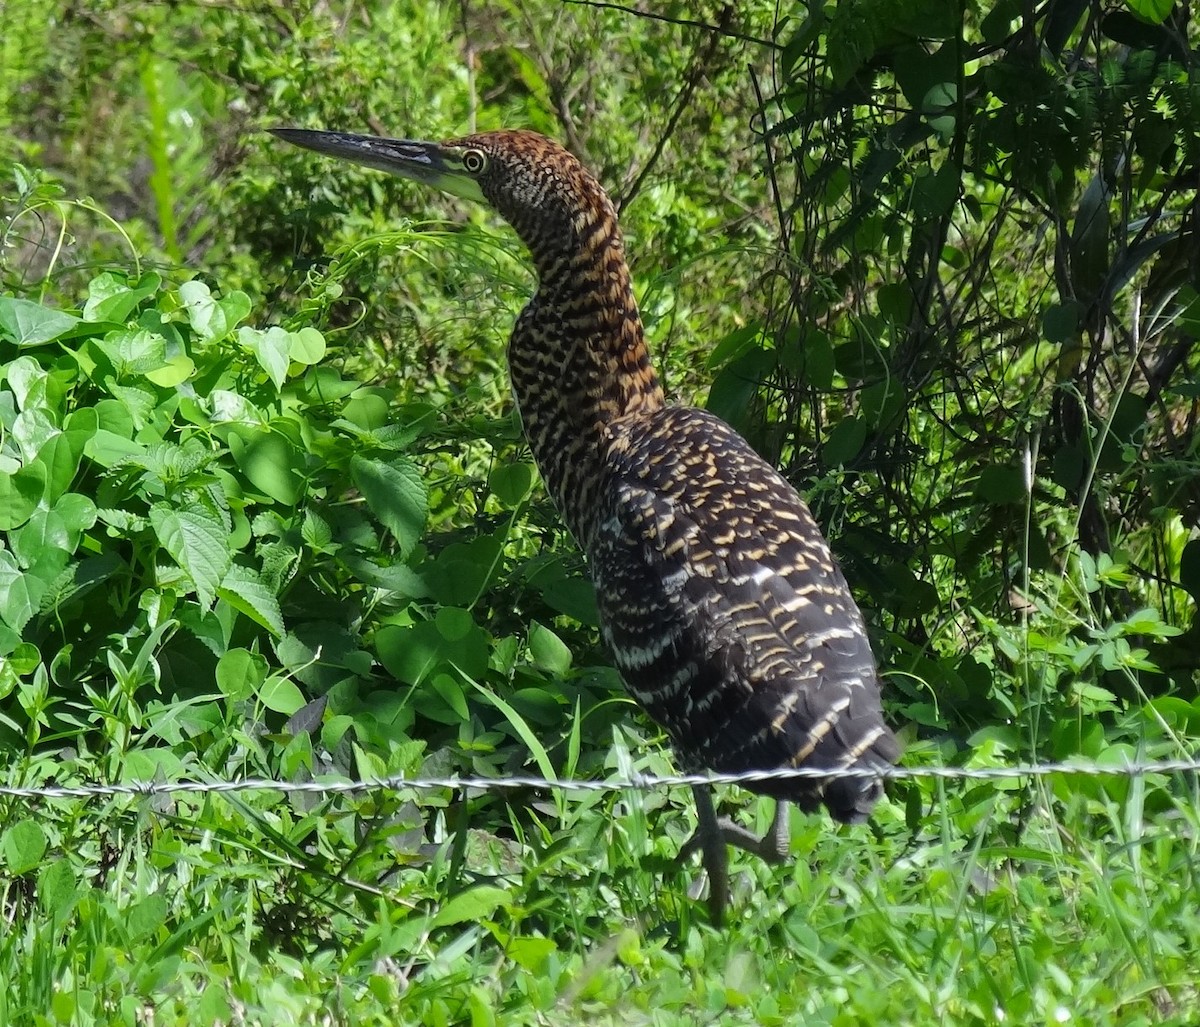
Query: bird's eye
[(474, 161)]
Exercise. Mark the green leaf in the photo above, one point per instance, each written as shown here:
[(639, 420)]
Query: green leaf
[(454, 624), (57, 890), (20, 493), (173, 372), (78, 513), (20, 593), (575, 597), (28, 381), (43, 537), (536, 749), (411, 652), (270, 349), (396, 495), (736, 343), (211, 318), (818, 359), (30, 324), (24, 846), (463, 569), (198, 542), (280, 695), (548, 651), (245, 591), (145, 917), (240, 673), (307, 346), (844, 442), (111, 298), (1001, 485), (133, 352), (471, 906), (61, 456), (451, 693), (1154, 11), (108, 449), (510, 483), (269, 461)]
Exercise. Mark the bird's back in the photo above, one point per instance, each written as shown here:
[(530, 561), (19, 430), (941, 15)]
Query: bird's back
[(727, 615)]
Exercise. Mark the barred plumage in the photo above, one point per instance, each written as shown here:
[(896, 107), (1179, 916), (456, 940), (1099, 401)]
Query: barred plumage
[(724, 609)]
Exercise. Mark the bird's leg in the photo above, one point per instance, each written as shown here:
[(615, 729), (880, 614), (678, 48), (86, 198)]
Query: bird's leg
[(714, 833), (710, 839)]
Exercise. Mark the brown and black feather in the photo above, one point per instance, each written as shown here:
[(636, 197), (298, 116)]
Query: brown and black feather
[(724, 609)]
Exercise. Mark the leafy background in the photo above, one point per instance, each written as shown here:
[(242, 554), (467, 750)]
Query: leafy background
[(266, 509)]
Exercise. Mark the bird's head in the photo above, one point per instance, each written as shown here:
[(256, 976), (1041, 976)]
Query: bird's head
[(536, 185)]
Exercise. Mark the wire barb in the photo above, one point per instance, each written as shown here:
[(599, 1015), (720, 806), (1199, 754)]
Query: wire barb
[(632, 782)]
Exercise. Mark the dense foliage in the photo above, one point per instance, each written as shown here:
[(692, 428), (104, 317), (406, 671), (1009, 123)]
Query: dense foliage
[(265, 510)]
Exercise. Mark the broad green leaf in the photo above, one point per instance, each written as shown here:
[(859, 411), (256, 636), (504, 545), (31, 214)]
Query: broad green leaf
[(575, 597), (108, 448), (133, 351), (20, 593), (43, 536), (367, 408), (463, 569), (31, 430), (411, 652), (510, 483), (548, 651), (244, 590), (27, 379), (270, 349), (78, 514), (198, 542), (139, 402), (209, 317), (737, 342), (818, 359), (315, 531), (454, 624), (1154, 11), (934, 195), (30, 324), (396, 495), (451, 693), (20, 493), (111, 298), (281, 695), (61, 456), (175, 371), (24, 846), (112, 415), (844, 442), (733, 390), (269, 461), (307, 346), (471, 906), (240, 672), (57, 890), (144, 917)]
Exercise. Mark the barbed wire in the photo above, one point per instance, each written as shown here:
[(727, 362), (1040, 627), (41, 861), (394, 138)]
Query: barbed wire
[(630, 781)]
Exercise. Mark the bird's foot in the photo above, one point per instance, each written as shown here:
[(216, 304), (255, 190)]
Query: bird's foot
[(713, 836)]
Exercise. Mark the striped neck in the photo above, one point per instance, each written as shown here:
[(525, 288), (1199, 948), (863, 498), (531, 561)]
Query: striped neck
[(578, 356)]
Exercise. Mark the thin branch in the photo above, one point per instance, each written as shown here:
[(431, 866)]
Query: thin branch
[(721, 30)]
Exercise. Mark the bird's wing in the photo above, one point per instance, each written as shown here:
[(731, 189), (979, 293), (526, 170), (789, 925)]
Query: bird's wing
[(728, 617)]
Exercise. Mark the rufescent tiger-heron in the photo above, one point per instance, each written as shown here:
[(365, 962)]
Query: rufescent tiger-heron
[(724, 609)]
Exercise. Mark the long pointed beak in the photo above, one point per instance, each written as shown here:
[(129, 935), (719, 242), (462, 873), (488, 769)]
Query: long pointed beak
[(408, 158)]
